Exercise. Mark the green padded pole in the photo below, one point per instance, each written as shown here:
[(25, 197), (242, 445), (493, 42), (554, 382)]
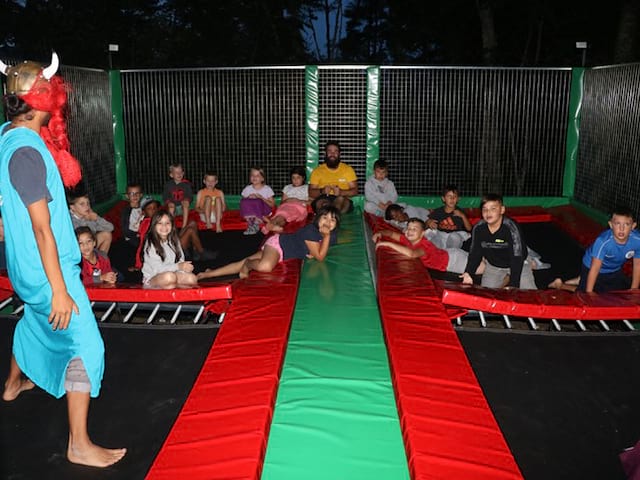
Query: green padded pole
[(573, 132), (118, 131), (373, 118), (312, 141)]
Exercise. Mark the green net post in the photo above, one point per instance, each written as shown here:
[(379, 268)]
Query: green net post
[(312, 141), (573, 132), (373, 118)]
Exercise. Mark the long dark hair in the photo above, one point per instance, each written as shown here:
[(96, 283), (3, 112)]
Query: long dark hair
[(152, 238)]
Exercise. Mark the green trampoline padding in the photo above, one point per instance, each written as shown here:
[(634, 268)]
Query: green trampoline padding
[(335, 415)]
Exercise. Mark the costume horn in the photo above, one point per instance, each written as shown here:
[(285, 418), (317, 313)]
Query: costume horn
[(51, 70)]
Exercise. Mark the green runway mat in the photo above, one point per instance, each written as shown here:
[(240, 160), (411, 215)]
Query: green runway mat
[(335, 415)]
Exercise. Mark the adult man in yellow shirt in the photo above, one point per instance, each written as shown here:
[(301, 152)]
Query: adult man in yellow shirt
[(334, 179)]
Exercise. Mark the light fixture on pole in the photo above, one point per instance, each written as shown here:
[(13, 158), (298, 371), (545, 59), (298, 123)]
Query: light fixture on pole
[(583, 46), (113, 47)]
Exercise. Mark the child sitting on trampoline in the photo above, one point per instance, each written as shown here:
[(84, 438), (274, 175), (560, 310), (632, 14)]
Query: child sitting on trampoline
[(293, 207), (163, 264), (177, 193), (83, 216), (379, 191), (448, 226), (210, 202), (257, 200), (95, 266), (311, 241), (603, 261), (398, 214)]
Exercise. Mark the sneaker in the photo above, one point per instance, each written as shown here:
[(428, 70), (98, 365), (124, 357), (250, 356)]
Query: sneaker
[(252, 229)]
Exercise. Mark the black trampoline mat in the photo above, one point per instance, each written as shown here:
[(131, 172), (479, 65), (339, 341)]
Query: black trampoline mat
[(567, 404), (148, 374)]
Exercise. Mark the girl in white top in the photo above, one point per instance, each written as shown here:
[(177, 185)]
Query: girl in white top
[(163, 259), (293, 208)]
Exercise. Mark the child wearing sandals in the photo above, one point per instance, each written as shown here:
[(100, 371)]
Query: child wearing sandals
[(257, 201), (95, 266), (164, 265), (293, 207), (311, 241)]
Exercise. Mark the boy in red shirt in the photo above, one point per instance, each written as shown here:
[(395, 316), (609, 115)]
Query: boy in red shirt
[(413, 244)]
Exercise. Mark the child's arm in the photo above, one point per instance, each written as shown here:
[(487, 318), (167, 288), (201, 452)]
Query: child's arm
[(223, 203), (594, 271), (635, 278), (199, 202), (459, 213), (103, 225), (402, 249), (269, 201), (386, 233), (318, 250)]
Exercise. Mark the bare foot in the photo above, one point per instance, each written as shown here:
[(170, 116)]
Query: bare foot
[(94, 456), (218, 229), (276, 228), (208, 225), (557, 283), (11, 391), (244, 271)]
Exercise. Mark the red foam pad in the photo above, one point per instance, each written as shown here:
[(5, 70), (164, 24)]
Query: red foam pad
[(223, 427), (119, 292), (448, 428), (529, 214), (550, 304)]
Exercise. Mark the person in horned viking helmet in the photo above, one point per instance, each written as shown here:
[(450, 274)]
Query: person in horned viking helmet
[(56, 344)]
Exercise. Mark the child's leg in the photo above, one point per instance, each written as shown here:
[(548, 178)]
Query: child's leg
[(274, 224), (266, 263), (103, 240), (185, 212), (186, 280), (164, 280), (217, 206), (207, 211), (80, 448), (15, 384), (560, 285), (171, 208), (230, 269)]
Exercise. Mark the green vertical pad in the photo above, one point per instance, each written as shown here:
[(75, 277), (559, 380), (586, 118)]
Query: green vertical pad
[(335, 415), (373, 118), (312, 118), (573, 132)]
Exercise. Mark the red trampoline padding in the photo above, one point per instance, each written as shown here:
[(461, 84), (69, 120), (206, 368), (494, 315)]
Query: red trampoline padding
[(448, 428), (550, 304), (120, 292), (528, 214), (222, 430)]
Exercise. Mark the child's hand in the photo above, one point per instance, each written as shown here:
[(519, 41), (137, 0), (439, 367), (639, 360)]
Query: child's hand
[(186, 267), (325, 230), (466, 279), (432, 224), (376, 237), (458, 213), (109, 277)]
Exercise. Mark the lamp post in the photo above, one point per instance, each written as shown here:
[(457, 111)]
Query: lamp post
[(113, 47), (583, 46)]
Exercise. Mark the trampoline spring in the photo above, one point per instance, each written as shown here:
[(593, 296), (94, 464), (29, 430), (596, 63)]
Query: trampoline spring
[(458, 321), (175, 315), (556, 324), (581, 325), (532, 323), (130, 313), (6, 302), (604, 325), (106, 314), (153, 313), (196, 319), (221, 317), (628, 324), (18, 310), (483, 321), (507, 322)]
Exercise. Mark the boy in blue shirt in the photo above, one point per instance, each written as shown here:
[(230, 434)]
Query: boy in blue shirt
[(602, 262)]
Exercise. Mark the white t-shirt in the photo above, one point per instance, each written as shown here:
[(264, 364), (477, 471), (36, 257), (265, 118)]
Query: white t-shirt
[(264, 192), (301, 192)]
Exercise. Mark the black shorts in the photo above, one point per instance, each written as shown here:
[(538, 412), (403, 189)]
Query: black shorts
[(606, 281)]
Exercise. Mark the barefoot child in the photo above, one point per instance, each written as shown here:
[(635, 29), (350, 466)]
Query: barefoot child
[(311, 241), (210, 202), (178, 193), (164, 265), (96, 267)]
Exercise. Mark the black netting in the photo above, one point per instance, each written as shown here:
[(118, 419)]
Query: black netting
[(220, 119), (608, 169), (90, 128), (485, 130)]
